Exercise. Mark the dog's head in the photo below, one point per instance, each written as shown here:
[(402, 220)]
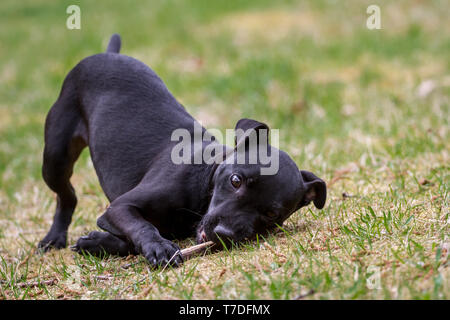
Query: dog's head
[(246, 200)]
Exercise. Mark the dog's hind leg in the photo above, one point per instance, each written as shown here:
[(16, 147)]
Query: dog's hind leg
[(98, 243), (65, 138)]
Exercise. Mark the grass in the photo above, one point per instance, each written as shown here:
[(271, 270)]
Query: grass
[(367, 110)]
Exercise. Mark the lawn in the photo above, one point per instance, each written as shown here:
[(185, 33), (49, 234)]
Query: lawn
[(366, 110)]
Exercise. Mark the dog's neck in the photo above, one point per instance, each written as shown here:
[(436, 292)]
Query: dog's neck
[(203, 174), (206, 189), (208, 171)]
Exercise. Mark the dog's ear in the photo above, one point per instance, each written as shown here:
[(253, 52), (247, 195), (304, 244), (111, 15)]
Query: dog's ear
[(245, 128), (316, 190)]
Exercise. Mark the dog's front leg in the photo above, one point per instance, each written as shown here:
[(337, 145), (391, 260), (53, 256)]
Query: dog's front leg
[(124, 219)]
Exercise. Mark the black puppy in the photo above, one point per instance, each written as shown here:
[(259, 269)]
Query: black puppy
[(122, 110)]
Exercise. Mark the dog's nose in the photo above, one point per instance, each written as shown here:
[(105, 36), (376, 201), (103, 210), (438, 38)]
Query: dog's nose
[(223, 232)]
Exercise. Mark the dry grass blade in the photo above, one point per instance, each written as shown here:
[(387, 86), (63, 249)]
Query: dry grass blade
[(37, 283)]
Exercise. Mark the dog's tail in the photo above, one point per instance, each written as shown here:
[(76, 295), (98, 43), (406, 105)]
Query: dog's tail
[(114, 44)]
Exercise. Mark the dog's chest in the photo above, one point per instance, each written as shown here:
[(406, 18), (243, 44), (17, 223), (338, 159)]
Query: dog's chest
[(177, 223)]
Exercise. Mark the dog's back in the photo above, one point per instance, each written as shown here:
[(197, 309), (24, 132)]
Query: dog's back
[(124, 112)]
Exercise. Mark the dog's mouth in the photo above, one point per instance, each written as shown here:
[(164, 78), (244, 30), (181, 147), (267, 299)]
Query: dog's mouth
[(201, 236)]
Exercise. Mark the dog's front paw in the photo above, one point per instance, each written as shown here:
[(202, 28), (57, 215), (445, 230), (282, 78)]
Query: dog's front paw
[(162, 252)]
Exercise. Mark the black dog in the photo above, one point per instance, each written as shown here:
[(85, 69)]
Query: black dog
[(122, 110)]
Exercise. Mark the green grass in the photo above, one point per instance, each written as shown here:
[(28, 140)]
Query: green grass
[(347, 101)]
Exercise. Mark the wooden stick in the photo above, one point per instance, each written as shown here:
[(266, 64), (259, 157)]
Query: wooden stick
[(187, 253)]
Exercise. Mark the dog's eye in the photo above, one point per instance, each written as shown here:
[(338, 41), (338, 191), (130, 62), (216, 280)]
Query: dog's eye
[(236, 180), (271, 214)]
